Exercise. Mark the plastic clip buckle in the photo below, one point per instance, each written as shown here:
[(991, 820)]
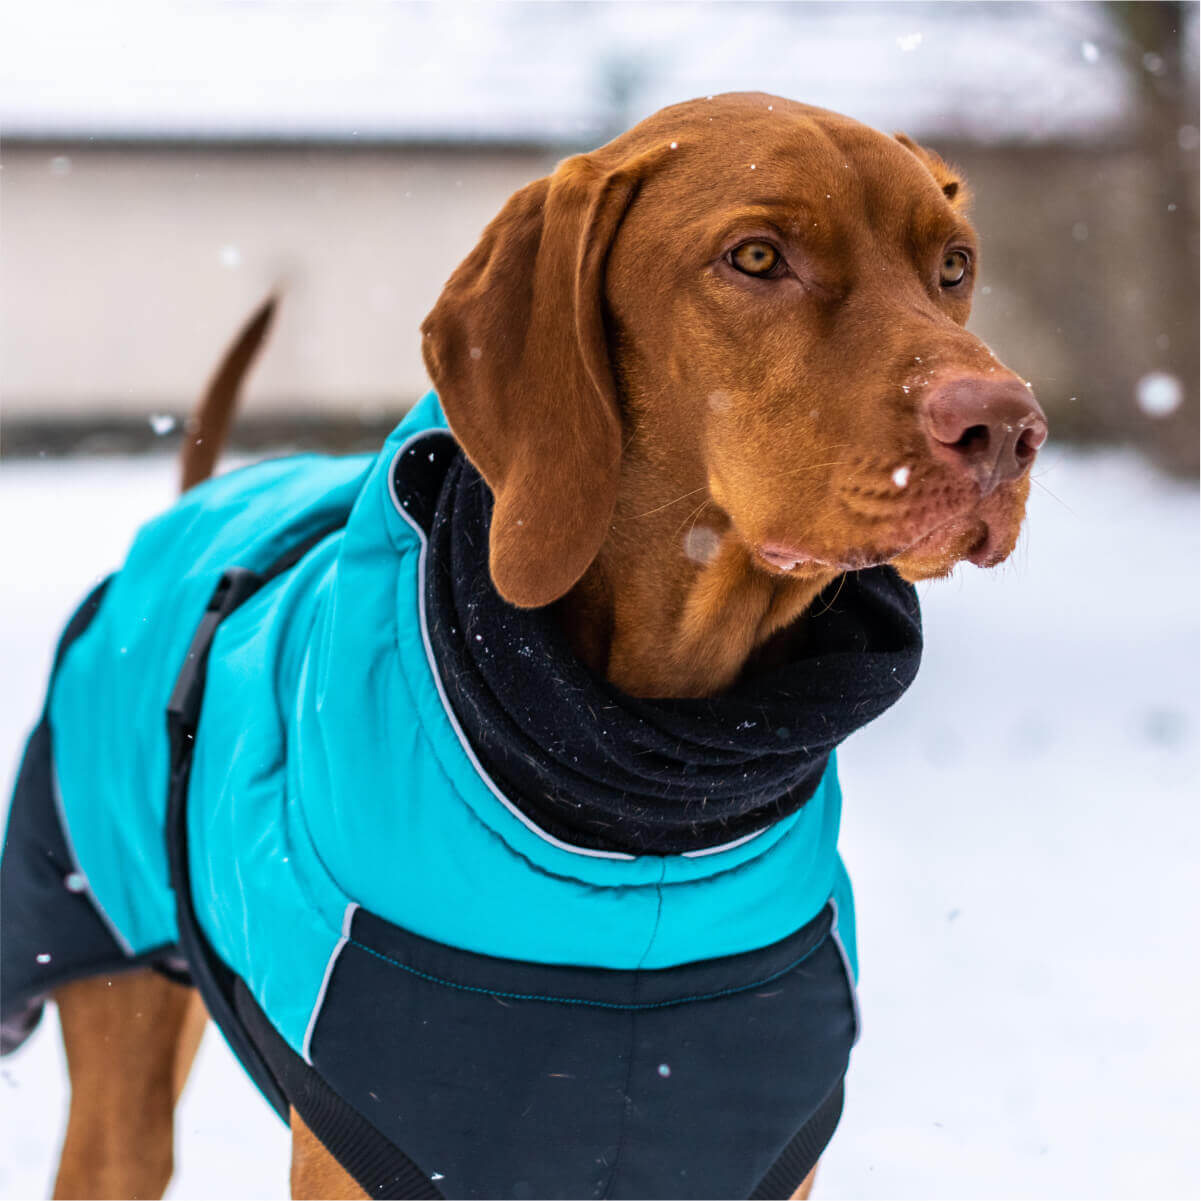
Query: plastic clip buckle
[(236, 585)]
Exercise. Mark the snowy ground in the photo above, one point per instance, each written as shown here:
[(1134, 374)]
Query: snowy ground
[(1022, 830)]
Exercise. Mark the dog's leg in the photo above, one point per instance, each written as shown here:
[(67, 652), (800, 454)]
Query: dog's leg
[(130, 1041), (806, 1186), (316, 1174)]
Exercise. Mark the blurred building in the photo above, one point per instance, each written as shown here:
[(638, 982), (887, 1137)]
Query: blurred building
[(163, 171)]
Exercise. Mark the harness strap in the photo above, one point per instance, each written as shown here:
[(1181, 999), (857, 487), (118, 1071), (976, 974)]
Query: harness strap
[(380, 1168), (211, 976)]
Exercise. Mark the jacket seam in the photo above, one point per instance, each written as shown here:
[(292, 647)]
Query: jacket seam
[(629, 1006)]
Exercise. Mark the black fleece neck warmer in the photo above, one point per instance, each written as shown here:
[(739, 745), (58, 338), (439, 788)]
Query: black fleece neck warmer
[(600, 769)]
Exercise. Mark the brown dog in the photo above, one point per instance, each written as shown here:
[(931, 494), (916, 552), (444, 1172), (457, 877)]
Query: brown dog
[(704, 370)]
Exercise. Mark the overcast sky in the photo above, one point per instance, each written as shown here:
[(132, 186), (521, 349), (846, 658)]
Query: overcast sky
[(563, 71)]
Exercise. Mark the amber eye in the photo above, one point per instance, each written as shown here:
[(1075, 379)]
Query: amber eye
[(954, 268), (755, 258)]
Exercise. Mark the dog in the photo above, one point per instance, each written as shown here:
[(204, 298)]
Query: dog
[(712, 409)]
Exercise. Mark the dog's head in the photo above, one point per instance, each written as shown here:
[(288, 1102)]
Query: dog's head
[(764, 300)]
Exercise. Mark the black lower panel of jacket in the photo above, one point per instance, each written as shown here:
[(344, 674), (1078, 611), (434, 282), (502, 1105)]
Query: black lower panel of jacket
[(50, 931), (506, 1079)]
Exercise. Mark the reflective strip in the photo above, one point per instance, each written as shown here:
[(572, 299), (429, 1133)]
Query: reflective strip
[(347, 918), (433, 666), (846, 967), (450, 713), (60, 809)]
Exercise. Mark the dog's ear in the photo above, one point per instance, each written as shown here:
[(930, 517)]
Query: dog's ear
[(954, 188), (517, 350)]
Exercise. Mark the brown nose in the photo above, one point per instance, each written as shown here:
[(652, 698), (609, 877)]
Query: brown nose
[(989, 431)]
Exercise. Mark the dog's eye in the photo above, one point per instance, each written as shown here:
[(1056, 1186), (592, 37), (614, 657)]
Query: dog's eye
[(755, 258), (954, 268)]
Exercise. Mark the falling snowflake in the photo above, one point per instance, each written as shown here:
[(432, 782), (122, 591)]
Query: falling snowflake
[(230, 257), (161, 423), (900, 477), (909, 41), (1089, 52), (1159, 394)]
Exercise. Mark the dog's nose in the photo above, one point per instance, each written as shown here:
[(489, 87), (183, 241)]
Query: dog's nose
[(989, 431)]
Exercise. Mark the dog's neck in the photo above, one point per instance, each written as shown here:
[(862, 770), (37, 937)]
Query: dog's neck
[(674, 605)]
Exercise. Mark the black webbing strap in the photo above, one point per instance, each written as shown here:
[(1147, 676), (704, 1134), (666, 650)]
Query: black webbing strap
[(214, 980), (208, 973), (799, 1158), (380, 1168)]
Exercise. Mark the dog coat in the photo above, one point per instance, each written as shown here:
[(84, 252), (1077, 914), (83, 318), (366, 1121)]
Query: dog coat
[(248, 774)]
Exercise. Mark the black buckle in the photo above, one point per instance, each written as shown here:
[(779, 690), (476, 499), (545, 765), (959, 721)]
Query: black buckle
[(236, 585)]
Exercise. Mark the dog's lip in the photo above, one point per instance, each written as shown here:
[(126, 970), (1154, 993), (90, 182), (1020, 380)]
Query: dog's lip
[(983, 551), (781, 557), (786, 558), (987, 550)]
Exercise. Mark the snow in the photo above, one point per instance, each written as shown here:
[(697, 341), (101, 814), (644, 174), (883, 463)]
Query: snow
[(1159, 394), (1022, 830)]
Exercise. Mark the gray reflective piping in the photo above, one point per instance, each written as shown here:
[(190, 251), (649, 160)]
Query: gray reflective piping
[(846, 967), (725, 846), (347, 918), (450, 713), (433, 666), (60, 809)]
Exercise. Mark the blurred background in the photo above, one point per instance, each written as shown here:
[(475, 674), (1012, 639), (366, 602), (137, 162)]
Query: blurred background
[(167, 163), (1023, 828)]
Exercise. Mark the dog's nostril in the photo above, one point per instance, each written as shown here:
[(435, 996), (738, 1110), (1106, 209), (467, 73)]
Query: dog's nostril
[(973, 440), (984, 430), (1027, 446)]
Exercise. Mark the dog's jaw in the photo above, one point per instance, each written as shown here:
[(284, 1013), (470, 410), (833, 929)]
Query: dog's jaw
[(657, 622)]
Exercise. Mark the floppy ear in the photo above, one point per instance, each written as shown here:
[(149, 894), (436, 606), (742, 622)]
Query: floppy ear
[(516, 348), (949, 178)]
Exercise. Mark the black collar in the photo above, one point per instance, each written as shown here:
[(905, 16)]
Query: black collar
[(600, 769)]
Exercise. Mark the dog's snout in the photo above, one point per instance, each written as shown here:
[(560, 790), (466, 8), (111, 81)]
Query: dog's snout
[(989, 431)]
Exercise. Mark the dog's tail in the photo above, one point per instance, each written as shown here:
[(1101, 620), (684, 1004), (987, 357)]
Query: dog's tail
[(209, 425)]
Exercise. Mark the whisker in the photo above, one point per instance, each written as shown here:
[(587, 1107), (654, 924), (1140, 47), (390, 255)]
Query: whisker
[(842, 579), (660, 508), (692, 517), (765, 479), (1055, 498)]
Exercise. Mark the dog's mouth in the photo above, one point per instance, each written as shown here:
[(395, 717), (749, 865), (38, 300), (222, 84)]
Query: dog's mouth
[(784, 559), (983, 535)]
